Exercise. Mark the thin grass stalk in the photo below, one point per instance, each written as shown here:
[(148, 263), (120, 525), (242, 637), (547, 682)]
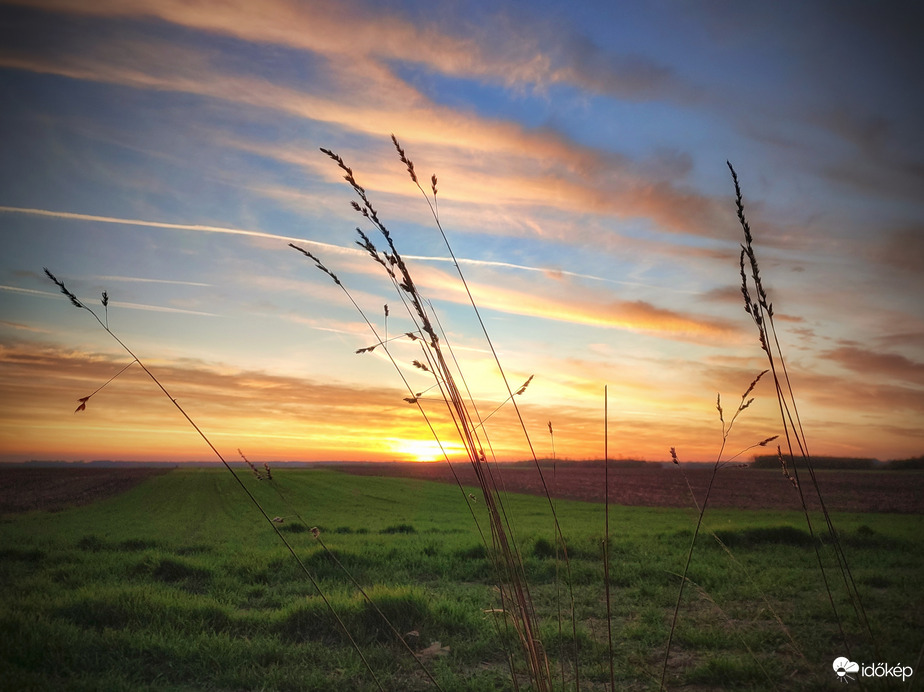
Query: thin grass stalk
[(686, 567), (761, 311), (398, 272), (747, 573), (420, 664), (726, 431), (561, 641), (394, 363), (559, 537), (732, 556), (606, 534), (524, 623), (479, 429), (486, 480), (763, 596), (490, 479), (77, 303), (84, 399), (511, 562), (849, 582)]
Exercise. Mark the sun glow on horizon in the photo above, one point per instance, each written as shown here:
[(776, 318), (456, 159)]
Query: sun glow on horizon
[(423, 451)]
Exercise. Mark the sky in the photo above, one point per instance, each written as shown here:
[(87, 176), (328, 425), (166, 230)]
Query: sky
[(167, 152)]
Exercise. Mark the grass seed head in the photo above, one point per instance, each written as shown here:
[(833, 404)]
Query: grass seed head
[(525, 385), (407, 162), (60, 284), (317, 263)]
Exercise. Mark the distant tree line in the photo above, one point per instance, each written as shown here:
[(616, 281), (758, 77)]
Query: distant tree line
[(771, 461), (912, 464)]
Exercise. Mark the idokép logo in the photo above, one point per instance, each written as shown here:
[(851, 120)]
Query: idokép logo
[(844, 668)]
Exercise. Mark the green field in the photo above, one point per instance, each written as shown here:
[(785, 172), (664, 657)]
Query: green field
[(181, 584)]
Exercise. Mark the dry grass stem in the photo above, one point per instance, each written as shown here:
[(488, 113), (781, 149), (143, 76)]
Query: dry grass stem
[(438, 360), (761, 312)]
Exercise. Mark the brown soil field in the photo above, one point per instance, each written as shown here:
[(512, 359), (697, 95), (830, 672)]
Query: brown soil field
[(51, 489), (54, 488), (666, 486)]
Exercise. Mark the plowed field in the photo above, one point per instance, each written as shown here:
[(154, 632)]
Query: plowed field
[(50, 489), (667, 486)]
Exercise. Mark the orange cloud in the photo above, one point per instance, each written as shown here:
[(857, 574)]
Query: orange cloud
[(581, 306), (282, 417), (269, 416), (529, 54), (538, 168), (879, 364)]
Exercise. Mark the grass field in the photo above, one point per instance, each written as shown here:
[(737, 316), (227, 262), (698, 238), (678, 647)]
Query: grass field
[(180, 584)]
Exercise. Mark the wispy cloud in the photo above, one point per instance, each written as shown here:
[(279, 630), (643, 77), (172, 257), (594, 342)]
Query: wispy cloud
[(583, 307), (138, 279), (29, 291), (903, 249), (24, 327), (504, 47), (114, 303), (633, 315), (878, 364), (540, 168)]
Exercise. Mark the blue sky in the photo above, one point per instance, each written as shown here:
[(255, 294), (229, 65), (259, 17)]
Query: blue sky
[(167, 152)]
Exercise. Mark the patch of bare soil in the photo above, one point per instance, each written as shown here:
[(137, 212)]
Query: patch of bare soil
[(667, 486), (51, 489)]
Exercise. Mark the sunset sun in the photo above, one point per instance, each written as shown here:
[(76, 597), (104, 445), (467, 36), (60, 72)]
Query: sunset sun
[(424, 450)]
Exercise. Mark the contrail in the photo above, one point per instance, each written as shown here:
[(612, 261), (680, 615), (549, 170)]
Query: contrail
[(522, 267), (274, 236), (138, 279), (172, 226)]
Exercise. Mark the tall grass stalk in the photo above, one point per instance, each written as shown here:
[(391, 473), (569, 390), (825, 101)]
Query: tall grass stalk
[(559, 537), (761, 312), (701, 507), (438, 359), (606, 535), (76, 302)]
